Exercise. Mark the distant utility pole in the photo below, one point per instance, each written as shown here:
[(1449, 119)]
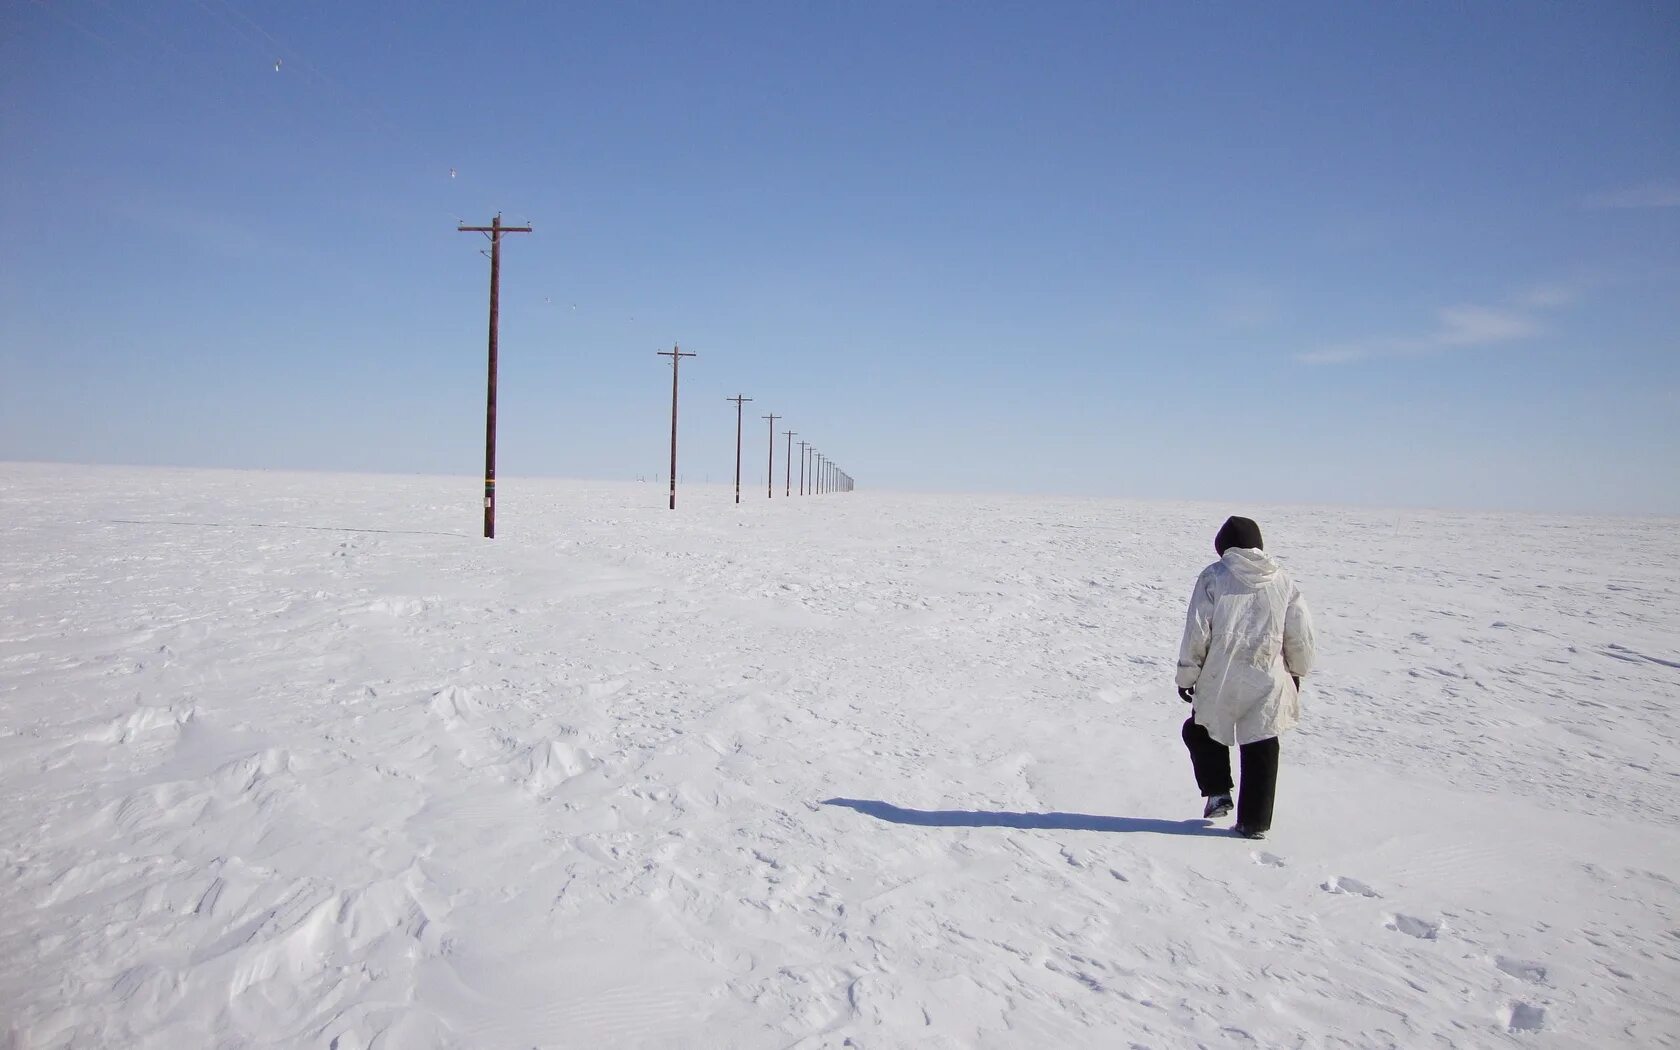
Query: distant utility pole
[(802, 447), (787, 466), (770, 477), (495, 231), (676, 354), (821, 459), (737, 399)]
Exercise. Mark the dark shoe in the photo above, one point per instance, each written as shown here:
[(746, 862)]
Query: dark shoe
[(1217, 806), (1249, 833)]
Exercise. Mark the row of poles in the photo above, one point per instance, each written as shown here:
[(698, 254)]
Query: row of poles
[(824, 475), (817, 473)]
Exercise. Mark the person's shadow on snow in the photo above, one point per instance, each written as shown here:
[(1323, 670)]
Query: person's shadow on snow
[(960, 818)]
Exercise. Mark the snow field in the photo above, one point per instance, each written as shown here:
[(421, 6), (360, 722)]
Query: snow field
[(299, 760)]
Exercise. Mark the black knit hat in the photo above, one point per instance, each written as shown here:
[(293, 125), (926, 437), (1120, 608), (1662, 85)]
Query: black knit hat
[(1238, 532)]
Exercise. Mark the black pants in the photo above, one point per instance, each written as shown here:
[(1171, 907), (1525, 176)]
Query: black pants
[(1213, 773)]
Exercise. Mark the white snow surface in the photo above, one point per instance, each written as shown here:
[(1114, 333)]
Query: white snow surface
[(297, 760)]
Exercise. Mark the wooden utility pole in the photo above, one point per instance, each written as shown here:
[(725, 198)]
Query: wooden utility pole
[(819, 473), (676, 354), (787, 465), (737, 399), (770, 475), (494, 231), (802, 447)]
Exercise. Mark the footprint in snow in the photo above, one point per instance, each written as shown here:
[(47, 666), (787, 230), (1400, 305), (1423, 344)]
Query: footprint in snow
[(1349, 885), (1412, 926), (1522, 969), (1526, 1017), (1268, 860)]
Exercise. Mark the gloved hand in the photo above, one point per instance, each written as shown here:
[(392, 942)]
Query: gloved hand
[(1187, 695)]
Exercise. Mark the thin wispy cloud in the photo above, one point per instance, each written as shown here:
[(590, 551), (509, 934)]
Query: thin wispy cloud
[(1456, 328), (1480, 325), (1548, 296), (1650, 195)]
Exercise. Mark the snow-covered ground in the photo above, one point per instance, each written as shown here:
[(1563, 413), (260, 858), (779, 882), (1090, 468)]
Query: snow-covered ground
[(299, 760)]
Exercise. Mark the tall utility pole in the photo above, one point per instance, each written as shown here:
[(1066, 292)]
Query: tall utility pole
[(770, 475), (819, 473), (737, 399), (676, 354), (802, 447), (495, 231), (787, 466)]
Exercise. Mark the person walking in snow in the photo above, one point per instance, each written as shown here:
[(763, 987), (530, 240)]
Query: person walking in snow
[(1248, 640)]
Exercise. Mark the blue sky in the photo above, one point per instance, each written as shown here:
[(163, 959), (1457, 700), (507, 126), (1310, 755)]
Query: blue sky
[(1419, 254)]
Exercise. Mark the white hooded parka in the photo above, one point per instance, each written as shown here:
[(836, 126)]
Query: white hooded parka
[(1247, 632)]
